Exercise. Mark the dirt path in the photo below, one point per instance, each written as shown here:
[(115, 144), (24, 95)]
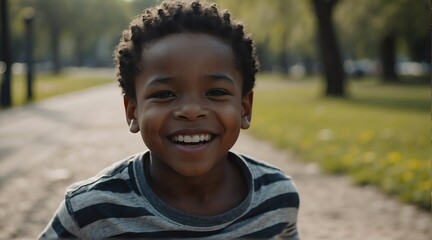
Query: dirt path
[(47, 146)]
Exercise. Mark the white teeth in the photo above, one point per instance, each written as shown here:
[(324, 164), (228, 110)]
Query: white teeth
[(192, 138)]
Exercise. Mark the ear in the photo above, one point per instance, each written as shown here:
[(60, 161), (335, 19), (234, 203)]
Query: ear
[(131, 116), (247, 101)]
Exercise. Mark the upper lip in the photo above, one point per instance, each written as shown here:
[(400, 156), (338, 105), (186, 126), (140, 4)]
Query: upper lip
[(191, 131)]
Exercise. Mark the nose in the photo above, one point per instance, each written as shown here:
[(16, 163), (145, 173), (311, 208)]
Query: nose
[(191, 110)]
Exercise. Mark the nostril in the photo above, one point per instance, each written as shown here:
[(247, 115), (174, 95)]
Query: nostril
[(180, 116), (191, 113), (202, 116)]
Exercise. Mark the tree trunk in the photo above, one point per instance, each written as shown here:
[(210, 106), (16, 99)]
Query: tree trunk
[(420, 49), (79, 51), (283, 62), (329, 51), (283, 57), (55, 49), (309, 65), (388, 58), (5, 91)]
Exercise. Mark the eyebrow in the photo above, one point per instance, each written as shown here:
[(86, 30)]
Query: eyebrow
[(159, 80), (220, 76)]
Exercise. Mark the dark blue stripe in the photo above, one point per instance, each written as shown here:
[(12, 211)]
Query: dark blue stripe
[(60, 230), (268, 179), (168, 234), (101, 211), (287, 200), (267, 232), (114, 185), (264, 233)]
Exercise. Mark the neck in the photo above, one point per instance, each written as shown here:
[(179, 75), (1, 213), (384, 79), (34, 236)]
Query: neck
[(217, 191), (169, 185)]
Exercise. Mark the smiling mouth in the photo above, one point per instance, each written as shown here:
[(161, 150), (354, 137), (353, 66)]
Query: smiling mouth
[(194, 139)]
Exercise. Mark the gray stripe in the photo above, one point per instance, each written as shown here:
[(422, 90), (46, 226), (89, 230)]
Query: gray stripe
[(95, 197)]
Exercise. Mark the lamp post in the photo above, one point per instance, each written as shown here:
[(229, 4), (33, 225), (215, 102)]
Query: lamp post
[(28, 20)]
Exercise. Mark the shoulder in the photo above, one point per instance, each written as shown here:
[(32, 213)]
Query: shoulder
[(98, 202), (113, 188), (270, 182), (265, 172), (107, 179), (261, 165)]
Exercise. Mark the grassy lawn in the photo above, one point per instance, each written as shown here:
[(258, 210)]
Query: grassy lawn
[(48, 85), (379, 135)]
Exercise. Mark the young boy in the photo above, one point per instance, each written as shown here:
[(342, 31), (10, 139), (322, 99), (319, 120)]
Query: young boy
[(187, 72)]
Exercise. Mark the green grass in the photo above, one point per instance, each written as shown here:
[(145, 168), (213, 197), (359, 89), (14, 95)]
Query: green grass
[(48, 85), (379, 135)]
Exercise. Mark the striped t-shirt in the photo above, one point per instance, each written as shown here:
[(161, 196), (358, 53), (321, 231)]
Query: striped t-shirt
[(119, 203)]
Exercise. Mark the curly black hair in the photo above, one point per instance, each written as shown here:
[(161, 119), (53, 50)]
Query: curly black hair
[(180, 16)]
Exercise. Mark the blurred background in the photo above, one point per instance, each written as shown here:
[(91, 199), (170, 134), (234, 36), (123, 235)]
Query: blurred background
[(344, 84), (370, 37)]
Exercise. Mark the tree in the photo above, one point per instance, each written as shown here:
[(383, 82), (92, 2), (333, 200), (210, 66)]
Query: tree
[(90, 27), (55, 15), (282, 29), (393, 28), (330, 56), (285, 27)]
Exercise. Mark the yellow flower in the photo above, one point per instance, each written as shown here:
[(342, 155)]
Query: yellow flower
[(394, 157), (413, 164), (407, 176), (366, 136)]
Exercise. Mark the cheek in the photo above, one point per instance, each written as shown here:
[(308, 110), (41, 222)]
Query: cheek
[(151, 124), (230, 115), (230, 118)]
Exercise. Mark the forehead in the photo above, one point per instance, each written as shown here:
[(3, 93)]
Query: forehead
[(201, 50), (194, 40)]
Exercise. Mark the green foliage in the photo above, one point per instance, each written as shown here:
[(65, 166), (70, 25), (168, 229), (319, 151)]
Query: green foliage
[(47, 85), (87, 29), (283, 25), (363, 25), (379, 135)]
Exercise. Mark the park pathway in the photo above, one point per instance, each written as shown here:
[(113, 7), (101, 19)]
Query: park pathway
[(45, 147)]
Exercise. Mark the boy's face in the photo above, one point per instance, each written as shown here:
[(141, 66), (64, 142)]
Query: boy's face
[(189, 106)]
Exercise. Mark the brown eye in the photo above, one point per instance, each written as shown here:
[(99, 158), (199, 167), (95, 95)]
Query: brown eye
[(163, 95), (218, 92)]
